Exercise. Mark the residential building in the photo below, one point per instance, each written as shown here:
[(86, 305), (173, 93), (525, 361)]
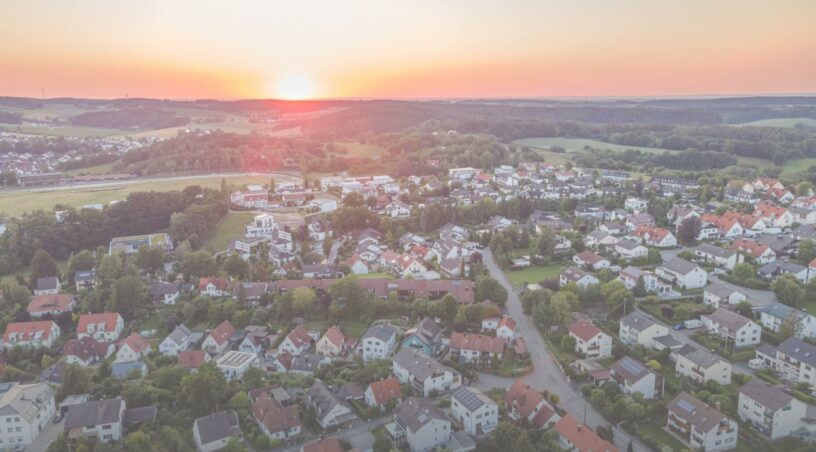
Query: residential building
[(795, 360), (254, 197), (101, 418), (639, 328), (590, 340), (740, 330), (720, 257), (378, 341), (700, 365), (573, 436), (85, 279), (297, 342), (102, 327), (701, 426), (332, 342), (330, 411), (50, 304), (506, 329), (178, 340), (423, 373), (762, 254), (192, 359), (381, 392), (590, 261), (276, 421), (234, 364), (218, 341), (425, 337), (721, 294), (49, 285), (634, 377), (86, 351), (769, 409), (476, 348), (477, 413), (419, 424), (132, 348), (577, 276), (651, 283), (214, 431), (130, 245), (773, 270), (165, 292), (25, 410), (330, 444), (682, 273), (628, 250), (214, 286), (775, 314), (37, 334), (523, 402)]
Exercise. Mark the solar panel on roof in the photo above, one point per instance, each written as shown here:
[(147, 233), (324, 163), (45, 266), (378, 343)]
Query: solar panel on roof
[(631, 366), (685, 405)]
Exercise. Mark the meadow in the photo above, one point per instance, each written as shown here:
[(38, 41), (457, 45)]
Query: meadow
[(782, 122)]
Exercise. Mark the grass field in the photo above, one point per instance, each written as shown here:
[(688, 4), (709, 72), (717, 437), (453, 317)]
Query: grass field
[(375, 275), (228, 229), (15, 203), (577, 145), (363, 150), (753, 161), (798, 165), (98, 169), (782, 122), (532, 275)]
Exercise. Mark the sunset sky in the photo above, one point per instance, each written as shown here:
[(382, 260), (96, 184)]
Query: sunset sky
[(406, 49)]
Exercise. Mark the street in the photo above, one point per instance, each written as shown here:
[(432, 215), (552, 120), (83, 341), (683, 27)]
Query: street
[(546, 372), (356, 428), (48, 435)]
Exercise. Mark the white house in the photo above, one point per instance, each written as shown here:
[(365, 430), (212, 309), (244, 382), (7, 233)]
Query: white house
[(590, 340), (720, 257), (419, 424), (578, 276), (718, 294), (634, 377), (773, 315), (638, 328), (213, 432), (701, 426), (795, 360), (36, 334), (651, 283), (590, 260), (218, 341), (477, 413), (102, 327), (628, 250), (423, 373), (25, 410), (234, 364), (506, 329), (275, 420), (378, 342), (132, 348), (329, 410), (177, 341), (741, 331), (682, 273), (101, 418), (381, 392), (297, 342), (769, 409), (701, 366)]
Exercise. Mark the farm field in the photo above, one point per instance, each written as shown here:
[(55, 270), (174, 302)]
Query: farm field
[(14, 203), (781, 122), (98, 169), (798, 165), (228, 229), (532, 274), (577, 144), (363, 150)]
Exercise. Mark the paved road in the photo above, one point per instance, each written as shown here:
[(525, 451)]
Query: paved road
[(48, 435), (546, 372), (757, 297), (333, 252), (356, 428)]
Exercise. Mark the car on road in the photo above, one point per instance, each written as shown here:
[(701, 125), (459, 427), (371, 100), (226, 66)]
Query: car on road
[(679, 326), (757, 363), (693, 323)]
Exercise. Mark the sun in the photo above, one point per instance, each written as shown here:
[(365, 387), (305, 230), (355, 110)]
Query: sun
[(295, 87)]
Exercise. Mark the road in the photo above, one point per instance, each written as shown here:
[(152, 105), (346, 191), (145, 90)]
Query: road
[(546, 372), (333, 252), (356, 428), (48, 435), (757, 297)]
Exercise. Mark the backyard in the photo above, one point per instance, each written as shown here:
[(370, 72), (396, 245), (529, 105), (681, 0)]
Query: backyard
[(531, 275)]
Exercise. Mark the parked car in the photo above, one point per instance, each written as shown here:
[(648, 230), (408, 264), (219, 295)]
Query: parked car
[(679, 326), (757, 363), (693, 323)]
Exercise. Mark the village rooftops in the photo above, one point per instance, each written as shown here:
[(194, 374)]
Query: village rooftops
[(638, 321), (768, 396), (696, 412)]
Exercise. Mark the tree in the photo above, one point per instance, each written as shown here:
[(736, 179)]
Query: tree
[(128, 295), (110, 268), (15, 294), (137, 441), (743, 271), (688, 230), (303, 300), (788, 290), (84, 260), (807, 251), (488, 288), (235, 445), (204, 390), (197, 264), (789, 327), (568, 343), (150, 259), (235, 266), (42, 265), (744, 309)]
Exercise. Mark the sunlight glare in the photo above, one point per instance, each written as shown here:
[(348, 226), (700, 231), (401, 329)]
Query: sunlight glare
[(295, 87)]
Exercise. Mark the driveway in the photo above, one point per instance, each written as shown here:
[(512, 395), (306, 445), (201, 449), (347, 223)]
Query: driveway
[(546, 372), (356, 428), (48, 435), (757, 297)]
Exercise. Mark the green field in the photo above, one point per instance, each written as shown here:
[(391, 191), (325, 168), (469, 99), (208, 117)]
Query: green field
[(782, 122), (798, 165), (98, 169), (532, 275), (363, 150), (228, 229), (577, 145), (15, 202)]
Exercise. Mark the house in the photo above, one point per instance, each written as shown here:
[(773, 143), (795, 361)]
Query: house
[(701, 426), (85, 279), (742, 331), (47, 286), (636, 220), (769, 409), (381, 392), (130, 245), (330, 411), (330, 444), (718, 294), (525, 403), (424, 374), (37, 334), (590, 261), (165, 292), (682, 273), (577, 276), (720, 257), (102, 327), (256, 339), (128, 369), (378, 341), (358, 266), (177, 341), (795, 360), (628, 250), (761, 254), (573, 436), (781, 244), (476, 348), (638, 328), (132, 348), (297, 341), (249, 293), (634, 377), (631, 276), (307, 363), (654, 236), (86, 351), (218, 340), (773, 270), (775, 314), (773, 214), (419, 424), (319, 271), (701, 365), (50, 304), (332, 343), (234, 364), (506, 329), (214, 431), (101, 418), (424, 337), (25, 410), (477, 413), (192, 359), (254, 197), (213, 286), (590, 340), (635, 204), (276, 421)]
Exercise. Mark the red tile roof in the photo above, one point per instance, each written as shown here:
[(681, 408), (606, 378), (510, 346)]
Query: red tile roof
[(299, 336), (110, 320), (86, 348), (218, 282), (222, 332), (581, 436), (26, 331), (329, 444), (335, 336), (524, 398), (584, 330), (386, 390), (191, 359), (274, 416), (478, 342), (47, 303), (136, 343), (508, 322)]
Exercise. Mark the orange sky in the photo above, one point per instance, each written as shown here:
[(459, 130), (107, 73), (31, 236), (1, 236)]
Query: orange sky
[(416, 48)]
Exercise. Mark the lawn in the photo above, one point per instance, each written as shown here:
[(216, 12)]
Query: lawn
[(782, 122), (363, 150), (655, 430), (16, 202), (532, 274), (577, 145), (350, 328), (98, 169), (228, 229), (375, 275), (798, 165)]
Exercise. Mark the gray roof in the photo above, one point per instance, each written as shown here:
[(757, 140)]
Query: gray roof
[(217, 426), (716, 251), (414, 413), (679, 265), (98, 412), (782, 311), (322, 398), (420, 366), (141, 414), (702, 358), (721, 290), (180, 334), (427, 330), (306, 362), (25, 400), (122, 370), (799, 350), (805, 231), (628, 244), (637, 321), (728, 319), (695, 411), (668, 341), (48, 283), (630, 369), (783, 266), (84, 275), (769, 396), (164, 288), (471, 398), (776, 242), (383, 332)]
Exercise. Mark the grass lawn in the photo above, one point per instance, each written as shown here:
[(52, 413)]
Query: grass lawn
[(375, 275), (656, 431), (577, 145), (532, 274), (782, 122), (362, 149), (753, 161), (14, 203), (809, 307), (798, 165), (98, 169), (229, 228)]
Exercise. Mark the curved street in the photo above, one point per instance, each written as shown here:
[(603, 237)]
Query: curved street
[(546, 372)]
